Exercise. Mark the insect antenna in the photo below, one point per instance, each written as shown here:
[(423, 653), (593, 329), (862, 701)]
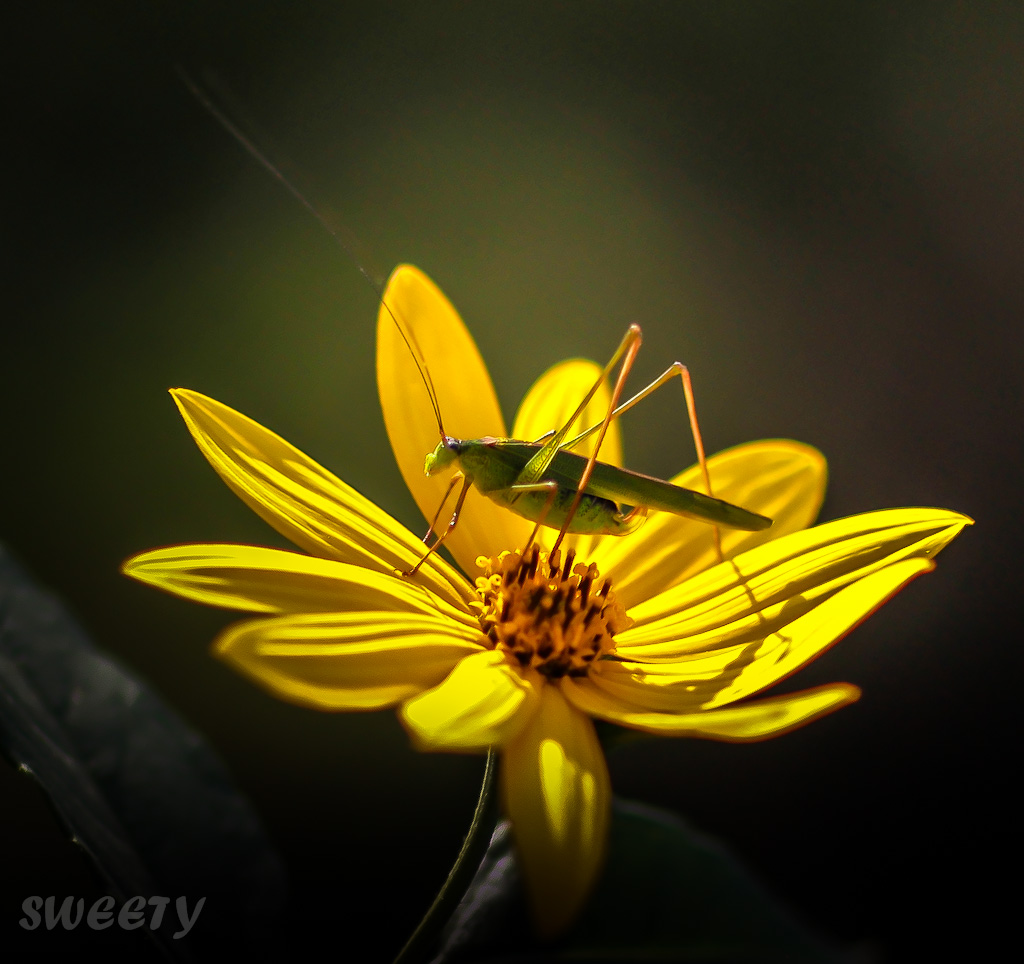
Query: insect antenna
[(342, 237)]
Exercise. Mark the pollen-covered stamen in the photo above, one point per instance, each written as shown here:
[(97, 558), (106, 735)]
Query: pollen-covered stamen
[(556, 617)]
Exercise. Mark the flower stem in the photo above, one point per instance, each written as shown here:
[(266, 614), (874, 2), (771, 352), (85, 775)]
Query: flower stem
[(423, 941)]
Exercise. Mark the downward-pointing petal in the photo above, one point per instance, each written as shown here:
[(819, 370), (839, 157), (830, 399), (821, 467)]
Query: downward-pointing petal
[(557, 795), (482, 703)]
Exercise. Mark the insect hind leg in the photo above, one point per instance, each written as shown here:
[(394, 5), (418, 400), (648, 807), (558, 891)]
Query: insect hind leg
[(627, 351), (676, 368), (632, 520), (691, 410)]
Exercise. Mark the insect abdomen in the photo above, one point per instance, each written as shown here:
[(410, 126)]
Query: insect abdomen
[(594, 516)]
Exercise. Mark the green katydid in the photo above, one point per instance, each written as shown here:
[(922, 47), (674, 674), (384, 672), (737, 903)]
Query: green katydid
[(548, 484), (543, 480)]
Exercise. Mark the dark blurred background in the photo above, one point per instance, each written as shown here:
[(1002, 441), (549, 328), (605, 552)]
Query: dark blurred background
[(816, 206)]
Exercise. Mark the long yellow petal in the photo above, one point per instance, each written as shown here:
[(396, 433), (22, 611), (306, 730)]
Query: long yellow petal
[(548, 405), (747, 722), (833, 555), (258, 579), (467, 402), (781, 479), (346, 661), (483, 703), (305, 502), (556, 792), (705, 680)]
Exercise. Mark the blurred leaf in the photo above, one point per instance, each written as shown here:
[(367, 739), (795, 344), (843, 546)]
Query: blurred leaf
[(668, 894), (141, 792)]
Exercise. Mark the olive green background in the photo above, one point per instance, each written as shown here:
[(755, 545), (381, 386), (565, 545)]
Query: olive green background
[(817, 206)]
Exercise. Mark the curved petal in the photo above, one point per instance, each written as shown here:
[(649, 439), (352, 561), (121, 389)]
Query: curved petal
[(483, 703), (549, 404), (346, 661), (258, 579), (781, 479), (557, 795), (748, 722), (468, 406), (555, 396), (305, 502), (824, 558), (738, 669)]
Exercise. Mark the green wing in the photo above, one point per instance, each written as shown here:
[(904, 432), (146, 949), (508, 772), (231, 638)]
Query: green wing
[(634, 488)]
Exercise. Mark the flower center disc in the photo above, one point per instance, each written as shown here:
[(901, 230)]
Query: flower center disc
[(553, 617)]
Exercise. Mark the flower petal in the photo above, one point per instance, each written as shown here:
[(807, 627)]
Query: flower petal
[(482, 703), (781, 479), (346, 661), (258, 579), (557, 794), (555, 396), (730, 672), (305, 502), (548, 405), (747, 722), (465, 396), (795, 570)]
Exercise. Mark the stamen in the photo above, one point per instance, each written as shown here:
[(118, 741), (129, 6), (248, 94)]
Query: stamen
[(544, 614)]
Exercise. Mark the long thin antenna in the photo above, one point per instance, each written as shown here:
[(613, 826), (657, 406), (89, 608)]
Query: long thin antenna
[(328, 226)]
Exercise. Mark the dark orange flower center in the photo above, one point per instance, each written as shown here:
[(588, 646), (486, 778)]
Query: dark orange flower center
[(555, 617)]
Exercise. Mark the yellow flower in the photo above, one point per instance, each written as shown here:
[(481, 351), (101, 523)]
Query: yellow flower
[(647, 631)]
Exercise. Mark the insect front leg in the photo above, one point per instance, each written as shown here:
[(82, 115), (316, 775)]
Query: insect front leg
[(455, 479), (466, 483)]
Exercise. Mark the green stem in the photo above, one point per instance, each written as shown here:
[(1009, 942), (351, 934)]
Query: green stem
[(423, 942)]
